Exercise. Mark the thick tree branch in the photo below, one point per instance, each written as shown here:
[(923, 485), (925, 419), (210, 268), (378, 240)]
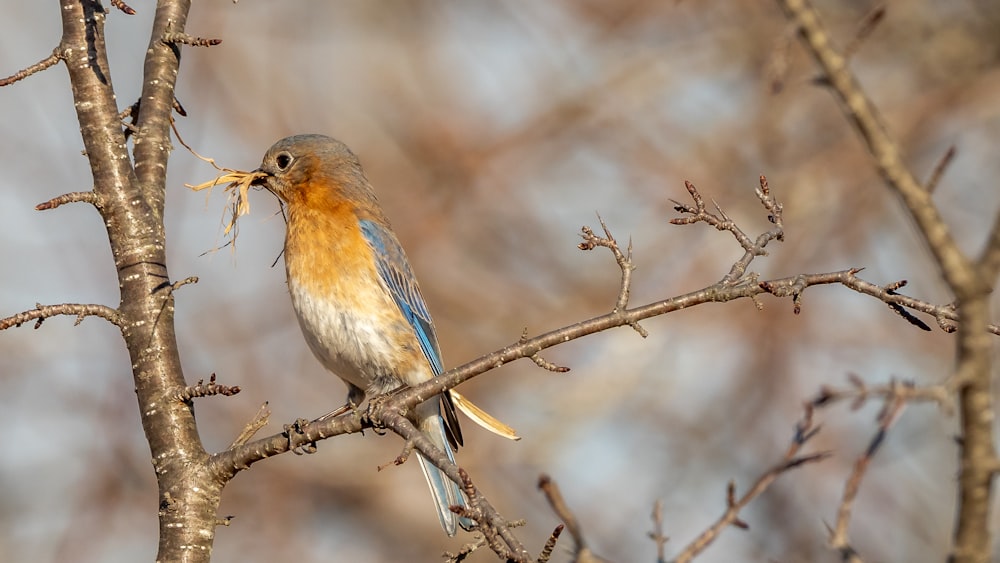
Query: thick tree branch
[(132, 208)]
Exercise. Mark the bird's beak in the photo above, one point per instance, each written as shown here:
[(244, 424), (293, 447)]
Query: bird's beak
[(260, 180)]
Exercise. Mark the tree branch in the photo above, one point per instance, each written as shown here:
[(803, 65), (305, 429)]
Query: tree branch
[(90, 197), (80, 311), (132, 209), (41, 65)]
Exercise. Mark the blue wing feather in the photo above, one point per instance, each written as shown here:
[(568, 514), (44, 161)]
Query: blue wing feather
[(390, 261)]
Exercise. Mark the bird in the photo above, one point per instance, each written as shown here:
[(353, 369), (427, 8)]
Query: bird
[(354, 293)]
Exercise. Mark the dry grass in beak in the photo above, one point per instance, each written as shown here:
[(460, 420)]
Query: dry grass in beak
[(237, 184)]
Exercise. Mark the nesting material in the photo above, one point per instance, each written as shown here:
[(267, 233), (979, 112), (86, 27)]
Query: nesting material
[(237, 185)]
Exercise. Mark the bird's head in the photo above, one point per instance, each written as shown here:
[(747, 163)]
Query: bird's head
[(312, 168)]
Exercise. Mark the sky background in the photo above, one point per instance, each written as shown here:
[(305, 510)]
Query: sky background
[(492, 132)]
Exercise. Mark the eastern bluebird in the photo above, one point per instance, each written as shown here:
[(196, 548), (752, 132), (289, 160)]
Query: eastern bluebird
[(354, 293)]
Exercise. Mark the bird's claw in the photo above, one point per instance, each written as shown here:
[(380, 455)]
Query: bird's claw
[(375, 424), (296, 428)]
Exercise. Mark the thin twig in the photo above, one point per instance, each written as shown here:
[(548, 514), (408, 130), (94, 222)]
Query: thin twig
[(839, 539), (174, 38), (540, 361), (859, 393), (41, 65), (79, 310), (123, 7), (989, 259), (90, 197), (201, 389), (868, 25), (752, 248), (559, 506), (939, 170), (186, 281), (657, 534), (624, 260), (945, 315), (495, 528), (550, 544)]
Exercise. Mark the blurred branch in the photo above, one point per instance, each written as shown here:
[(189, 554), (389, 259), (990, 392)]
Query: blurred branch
[(125, 8), (804, 431), (859, 393), (657, 534), (81, 311), (971, 282), (939, 170), (581, 552), (838, 536), (989, 260), (868, 25)]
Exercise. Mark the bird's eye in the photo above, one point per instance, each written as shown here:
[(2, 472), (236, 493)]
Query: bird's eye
[(283, 160)]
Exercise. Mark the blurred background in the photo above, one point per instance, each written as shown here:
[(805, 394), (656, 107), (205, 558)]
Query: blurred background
[(493, 131)]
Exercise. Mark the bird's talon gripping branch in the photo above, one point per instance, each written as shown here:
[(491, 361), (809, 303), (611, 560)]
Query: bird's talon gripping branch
[(297, 429)]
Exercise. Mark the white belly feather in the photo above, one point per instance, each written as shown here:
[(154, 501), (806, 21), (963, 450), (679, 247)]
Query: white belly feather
[(356, 348)]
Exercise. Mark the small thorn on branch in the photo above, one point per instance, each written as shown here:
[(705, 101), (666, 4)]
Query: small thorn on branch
[(179, 108), (868, 25), (41, 65), (176, 38), (201, 389), (128, 11), (731, 503)]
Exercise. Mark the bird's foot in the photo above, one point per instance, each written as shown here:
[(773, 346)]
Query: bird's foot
[(295, 429), (376, 425)]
